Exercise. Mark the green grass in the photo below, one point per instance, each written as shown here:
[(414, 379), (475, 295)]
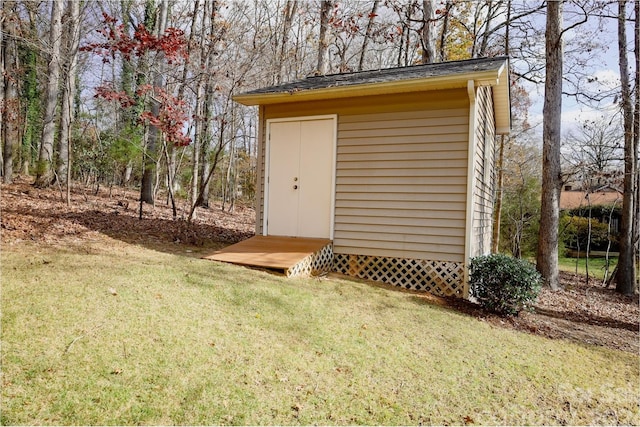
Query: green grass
[(189, 341), (596, 265)]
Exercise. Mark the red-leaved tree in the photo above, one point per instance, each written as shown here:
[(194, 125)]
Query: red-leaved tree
[(172, 114)]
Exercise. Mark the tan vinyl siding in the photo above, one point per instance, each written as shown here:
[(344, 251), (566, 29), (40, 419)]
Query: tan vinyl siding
[(402, 176), (484, 174), (425, 178), (401, 172), (409, 196)]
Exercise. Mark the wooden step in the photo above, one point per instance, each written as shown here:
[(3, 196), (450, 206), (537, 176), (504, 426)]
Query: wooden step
[(293, 255)]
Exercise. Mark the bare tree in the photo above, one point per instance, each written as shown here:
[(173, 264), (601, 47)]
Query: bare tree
[(521, 210), (547, 256), (153, 139), (625, 278), (10, 106), (428, 32), (367, 33), (636, 135), (205, 98), (497, 210), (199, 94), (2, 19), (323, 42), (171, 151), (72, 37), (290, 10), (444, 31), (593, 150), (489, 13), (45, 175)]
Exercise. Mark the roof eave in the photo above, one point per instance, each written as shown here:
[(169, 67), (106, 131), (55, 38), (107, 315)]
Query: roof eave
[(497, 78), (378, 88)]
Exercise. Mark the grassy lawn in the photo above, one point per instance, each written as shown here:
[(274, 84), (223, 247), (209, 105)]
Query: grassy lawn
[(120, 334), (596, 265)]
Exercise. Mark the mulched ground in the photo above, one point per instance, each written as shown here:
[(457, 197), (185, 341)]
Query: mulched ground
[(580, 312), (42, 215)]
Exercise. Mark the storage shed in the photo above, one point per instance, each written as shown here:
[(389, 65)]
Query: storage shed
[(395, 167)]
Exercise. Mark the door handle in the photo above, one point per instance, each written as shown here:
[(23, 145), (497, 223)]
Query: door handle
[(295, 187)]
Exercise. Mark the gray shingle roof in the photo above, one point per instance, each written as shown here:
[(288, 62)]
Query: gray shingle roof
[(386, 75)]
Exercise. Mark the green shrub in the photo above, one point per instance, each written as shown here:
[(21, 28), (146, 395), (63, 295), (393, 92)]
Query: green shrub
[(503, 284), (575, 233)]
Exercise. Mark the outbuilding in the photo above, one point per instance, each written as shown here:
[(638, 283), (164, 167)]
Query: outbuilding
[(394, 167)]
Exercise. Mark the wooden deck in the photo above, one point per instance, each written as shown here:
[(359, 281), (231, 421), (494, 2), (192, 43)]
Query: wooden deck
[(279, 253)]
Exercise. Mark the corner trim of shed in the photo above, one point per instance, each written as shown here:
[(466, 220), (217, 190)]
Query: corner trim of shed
[(471, 92)]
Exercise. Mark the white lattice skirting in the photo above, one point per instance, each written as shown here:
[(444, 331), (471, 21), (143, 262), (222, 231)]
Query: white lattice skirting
[(436, 277), (317, 263)]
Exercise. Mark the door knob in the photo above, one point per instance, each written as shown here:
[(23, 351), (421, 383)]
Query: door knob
[(295, 178), (295, 187)]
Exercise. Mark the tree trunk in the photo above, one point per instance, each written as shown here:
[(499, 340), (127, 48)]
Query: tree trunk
[(445, 31), (197, 138), (68, 91), (289, 11), (214, 164), (206, 168), (11, 110), (636, 139), (128, 74), (323, 41), (428, 32), (547, 256), (148, 174), (367, 34), (32, 99), (169, 179), (147, 189), (205, 144), (607, 254), (2, 138), (407, 39), (625, 278), (484, 43), (45, 175), (128, 170), (228, 184), (203, 90)]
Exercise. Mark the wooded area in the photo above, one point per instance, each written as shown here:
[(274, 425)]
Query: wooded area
[(139, 93)]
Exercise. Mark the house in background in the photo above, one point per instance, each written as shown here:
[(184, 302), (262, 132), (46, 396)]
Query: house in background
[(394, 168), (578, 201)]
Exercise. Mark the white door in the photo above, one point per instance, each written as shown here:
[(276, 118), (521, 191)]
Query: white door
[(300, 178)]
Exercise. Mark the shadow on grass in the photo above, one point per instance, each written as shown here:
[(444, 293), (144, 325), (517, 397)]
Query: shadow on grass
[(420, 297)]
